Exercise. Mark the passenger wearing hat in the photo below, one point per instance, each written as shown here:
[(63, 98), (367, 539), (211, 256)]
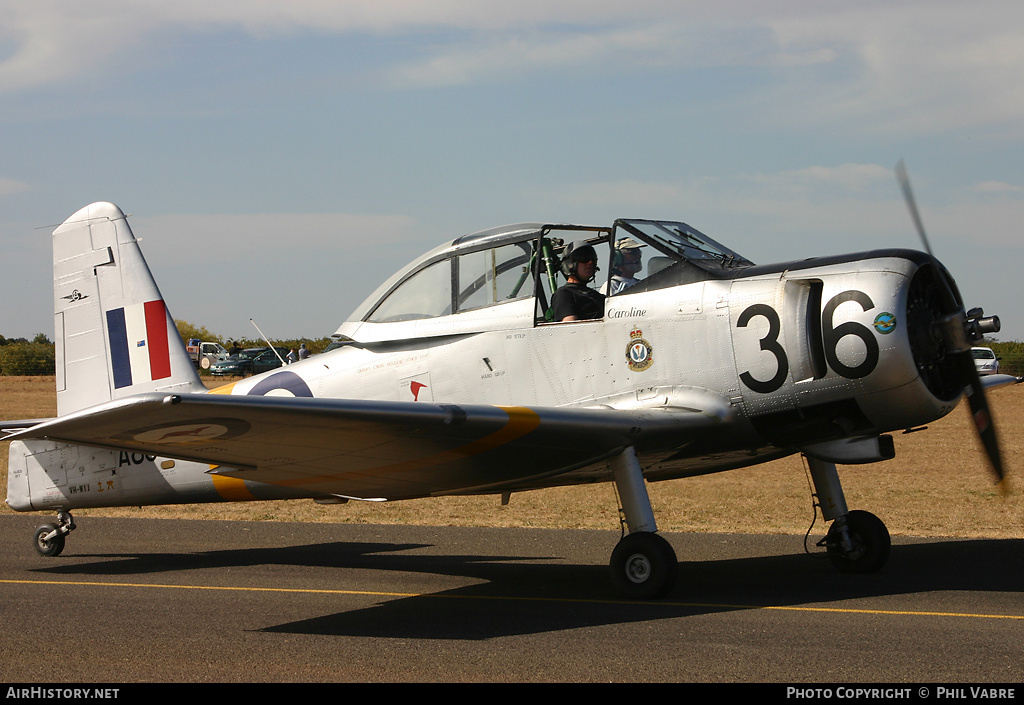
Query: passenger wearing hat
[(626, 263), (575, 301)]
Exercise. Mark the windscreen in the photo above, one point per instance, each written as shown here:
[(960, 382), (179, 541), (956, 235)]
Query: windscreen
[(680, 241)]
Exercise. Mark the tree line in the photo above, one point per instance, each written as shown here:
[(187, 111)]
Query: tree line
[(1011, 356), (24, 357), (20, 356)]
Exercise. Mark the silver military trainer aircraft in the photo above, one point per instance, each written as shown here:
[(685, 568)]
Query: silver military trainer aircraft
[(454, 378)]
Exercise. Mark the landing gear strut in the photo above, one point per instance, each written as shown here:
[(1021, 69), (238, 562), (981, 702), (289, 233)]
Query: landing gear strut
[(49, 538), (643, 564), (857, 541)]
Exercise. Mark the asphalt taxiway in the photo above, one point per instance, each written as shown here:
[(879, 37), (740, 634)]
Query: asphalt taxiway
[(143, 600)]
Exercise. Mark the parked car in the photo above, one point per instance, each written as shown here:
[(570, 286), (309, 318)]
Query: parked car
[(250, 361), (985, 361)]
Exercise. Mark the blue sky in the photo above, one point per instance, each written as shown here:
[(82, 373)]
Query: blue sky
[(280, 159)]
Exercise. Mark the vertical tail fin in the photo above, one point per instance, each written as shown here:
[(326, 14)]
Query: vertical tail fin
[(114, 336)]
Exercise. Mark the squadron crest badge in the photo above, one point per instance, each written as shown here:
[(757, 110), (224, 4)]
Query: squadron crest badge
[(639, 353)]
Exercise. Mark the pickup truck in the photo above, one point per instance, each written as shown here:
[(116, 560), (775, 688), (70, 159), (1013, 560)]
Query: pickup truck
[(204, 354)]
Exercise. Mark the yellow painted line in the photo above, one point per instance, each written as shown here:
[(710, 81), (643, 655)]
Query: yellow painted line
[(659, 603), (843, 610)]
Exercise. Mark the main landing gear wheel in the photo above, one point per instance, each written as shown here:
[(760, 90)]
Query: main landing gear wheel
[(868, 547), (49, 546), (49, 538), (644, 566)]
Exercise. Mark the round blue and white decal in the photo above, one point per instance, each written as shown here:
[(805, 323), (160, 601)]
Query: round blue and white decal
[(885, 323), (282, 384)]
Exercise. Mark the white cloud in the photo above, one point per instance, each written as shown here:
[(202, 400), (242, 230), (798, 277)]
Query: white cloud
[(8, 186), (846, 177), (54, 40), (998, 187), (892, 68), (912, 68), (822, 184), (225, 238), (666, 43)]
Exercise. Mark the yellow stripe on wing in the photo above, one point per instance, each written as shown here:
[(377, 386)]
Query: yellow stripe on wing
[(521, 421), (231, 489)]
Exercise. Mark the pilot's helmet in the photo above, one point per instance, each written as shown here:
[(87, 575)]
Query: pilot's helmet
[(576, 252)]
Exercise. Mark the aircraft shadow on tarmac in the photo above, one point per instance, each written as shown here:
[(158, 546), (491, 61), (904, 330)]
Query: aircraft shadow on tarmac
[(556, 597), (519, 594)]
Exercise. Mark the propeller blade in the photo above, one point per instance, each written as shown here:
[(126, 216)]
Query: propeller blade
[(975, 392), (983, 419), (908, 196)]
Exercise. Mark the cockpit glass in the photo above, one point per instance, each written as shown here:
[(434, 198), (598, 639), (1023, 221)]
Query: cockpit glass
[(680, 241)]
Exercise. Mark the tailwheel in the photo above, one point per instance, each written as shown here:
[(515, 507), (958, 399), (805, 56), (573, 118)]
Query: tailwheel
[(49, 538), (858, 543), (644, 566)]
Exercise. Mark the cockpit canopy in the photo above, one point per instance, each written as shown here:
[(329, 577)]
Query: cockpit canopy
[(520, 262)]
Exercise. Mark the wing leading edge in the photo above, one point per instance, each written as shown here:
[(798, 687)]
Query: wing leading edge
[(393, 450)]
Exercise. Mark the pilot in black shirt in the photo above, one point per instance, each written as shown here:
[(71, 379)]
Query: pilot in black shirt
[(575, 301)]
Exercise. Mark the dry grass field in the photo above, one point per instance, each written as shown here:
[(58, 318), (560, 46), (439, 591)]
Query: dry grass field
[(938, 485)]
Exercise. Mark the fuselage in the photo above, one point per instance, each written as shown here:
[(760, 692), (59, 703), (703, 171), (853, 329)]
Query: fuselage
[(800, 353)]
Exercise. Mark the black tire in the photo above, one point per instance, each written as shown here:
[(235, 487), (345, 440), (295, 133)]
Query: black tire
[(871, 544), (644, 566), (54, 546)]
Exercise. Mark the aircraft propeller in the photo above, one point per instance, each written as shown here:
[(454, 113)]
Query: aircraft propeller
[(958, 330)]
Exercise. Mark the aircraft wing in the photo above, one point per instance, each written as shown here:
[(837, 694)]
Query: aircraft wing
[(375, 449)]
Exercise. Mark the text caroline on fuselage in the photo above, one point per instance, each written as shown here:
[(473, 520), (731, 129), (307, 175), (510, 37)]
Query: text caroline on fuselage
[(626, 312)]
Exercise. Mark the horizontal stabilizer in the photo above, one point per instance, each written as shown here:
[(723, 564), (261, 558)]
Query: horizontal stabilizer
[(996, 381), (11, 427)]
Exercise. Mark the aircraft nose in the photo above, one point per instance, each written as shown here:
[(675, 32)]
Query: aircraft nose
[(941, 334), (934, 325)]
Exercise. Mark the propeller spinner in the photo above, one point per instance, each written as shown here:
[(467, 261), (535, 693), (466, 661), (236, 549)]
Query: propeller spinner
[(958, 330)]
